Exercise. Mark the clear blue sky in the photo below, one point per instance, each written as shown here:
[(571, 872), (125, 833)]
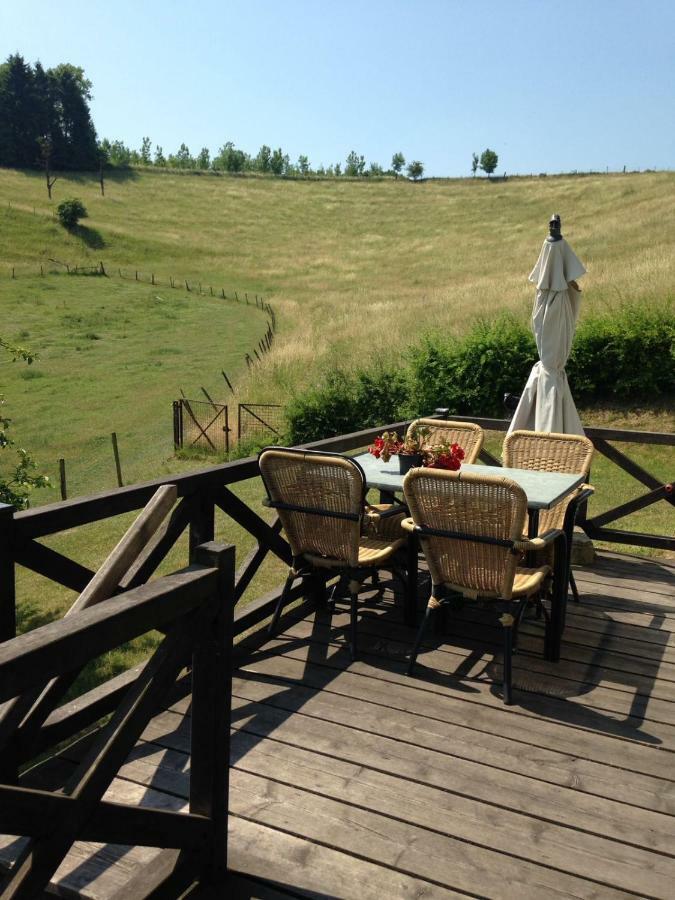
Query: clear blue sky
[(550, 86)]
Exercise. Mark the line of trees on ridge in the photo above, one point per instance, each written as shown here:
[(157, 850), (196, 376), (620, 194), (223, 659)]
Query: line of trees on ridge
[(267, 161), (45, 122)]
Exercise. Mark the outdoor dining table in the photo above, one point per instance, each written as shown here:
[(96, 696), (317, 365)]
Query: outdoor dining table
[(543, 490)]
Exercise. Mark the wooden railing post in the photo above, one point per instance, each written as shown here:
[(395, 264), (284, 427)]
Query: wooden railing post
[(7, 578), (211, 705), (202, 521)]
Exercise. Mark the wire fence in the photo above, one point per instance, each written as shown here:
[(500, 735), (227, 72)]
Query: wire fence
[(259, 420), (201, 425)]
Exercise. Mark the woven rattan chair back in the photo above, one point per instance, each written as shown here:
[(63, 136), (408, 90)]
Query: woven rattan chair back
[(330, 488), (570, 453), (468, 435), (469, 504)]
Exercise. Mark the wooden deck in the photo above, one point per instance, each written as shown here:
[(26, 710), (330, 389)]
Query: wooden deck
[(353, 780)]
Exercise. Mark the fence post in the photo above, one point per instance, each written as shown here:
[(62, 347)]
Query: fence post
[(7, 580), (177, 430), (116, 454), (227, 430), (239, 405), (102, 269), (62, 479)]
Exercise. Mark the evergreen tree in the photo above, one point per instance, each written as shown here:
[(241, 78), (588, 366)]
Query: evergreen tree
[(18, 114), (38, 105)]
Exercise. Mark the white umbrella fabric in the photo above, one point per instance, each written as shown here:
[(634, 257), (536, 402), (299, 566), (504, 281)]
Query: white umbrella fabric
[(546, 403)]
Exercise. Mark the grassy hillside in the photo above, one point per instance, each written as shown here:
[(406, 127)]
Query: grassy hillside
[(353, 266)]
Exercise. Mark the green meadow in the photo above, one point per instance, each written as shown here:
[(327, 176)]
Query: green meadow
[(356, 270)]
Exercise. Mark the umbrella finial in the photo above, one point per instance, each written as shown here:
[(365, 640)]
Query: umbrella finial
[(554, 226)]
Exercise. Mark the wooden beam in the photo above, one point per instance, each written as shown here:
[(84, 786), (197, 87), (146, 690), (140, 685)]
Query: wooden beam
[(613, 535), (252, 564), (53, 565), (627, 464), (159, 545), (61, 646), (211, 705), (251, 521), (35, 813), (631, 506)]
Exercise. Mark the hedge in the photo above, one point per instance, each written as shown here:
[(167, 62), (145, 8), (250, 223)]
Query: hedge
[(626, 356)]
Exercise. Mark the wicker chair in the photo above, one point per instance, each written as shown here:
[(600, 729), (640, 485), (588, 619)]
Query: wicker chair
[(466, 434), (320, 499), (470, 527), (570, 453)]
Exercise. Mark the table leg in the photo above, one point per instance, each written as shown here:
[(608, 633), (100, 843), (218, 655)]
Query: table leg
[(412, 548)]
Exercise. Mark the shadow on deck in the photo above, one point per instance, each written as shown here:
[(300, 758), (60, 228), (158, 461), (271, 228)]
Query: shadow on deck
[(354, 780)]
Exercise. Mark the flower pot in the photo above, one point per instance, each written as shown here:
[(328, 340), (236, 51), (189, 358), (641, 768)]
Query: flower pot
[(407, 461)]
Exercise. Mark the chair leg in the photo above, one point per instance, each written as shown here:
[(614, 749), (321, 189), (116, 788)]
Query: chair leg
[(507, 621), (432, 606), (573, 585), (354, 594), (282, 602)]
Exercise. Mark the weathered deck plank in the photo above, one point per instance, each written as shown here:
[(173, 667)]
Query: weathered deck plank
[(354, 780)]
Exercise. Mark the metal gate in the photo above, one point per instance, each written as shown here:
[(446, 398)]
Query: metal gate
[(197, 423), (259, 420)]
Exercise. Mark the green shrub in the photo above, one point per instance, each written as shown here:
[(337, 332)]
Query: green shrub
[(471, 376), (625, 356), (70, 212), (344, 403), (628, 355)]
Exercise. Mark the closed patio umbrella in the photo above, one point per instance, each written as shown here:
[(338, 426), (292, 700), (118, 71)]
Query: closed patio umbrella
[(546, 403)]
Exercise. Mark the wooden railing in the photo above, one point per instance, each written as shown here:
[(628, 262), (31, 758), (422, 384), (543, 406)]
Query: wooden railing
[(193, 608), (200, 493)]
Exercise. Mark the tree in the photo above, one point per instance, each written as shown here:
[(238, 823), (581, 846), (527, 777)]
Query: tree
[(17, 483), (204, 158), (146, 159), (76, 146), (415, 170), (474, 164), (262, 160), (183, 159), (376, 169), (103, 160), (230, 159), (46, 152), (279, 162), (18, 125), (70, 212), (355, 164), (303, 165), (397, 163), (160, 159), (337, 170), (488, 161)]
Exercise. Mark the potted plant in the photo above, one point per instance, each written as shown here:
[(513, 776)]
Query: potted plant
[(415, 450)]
